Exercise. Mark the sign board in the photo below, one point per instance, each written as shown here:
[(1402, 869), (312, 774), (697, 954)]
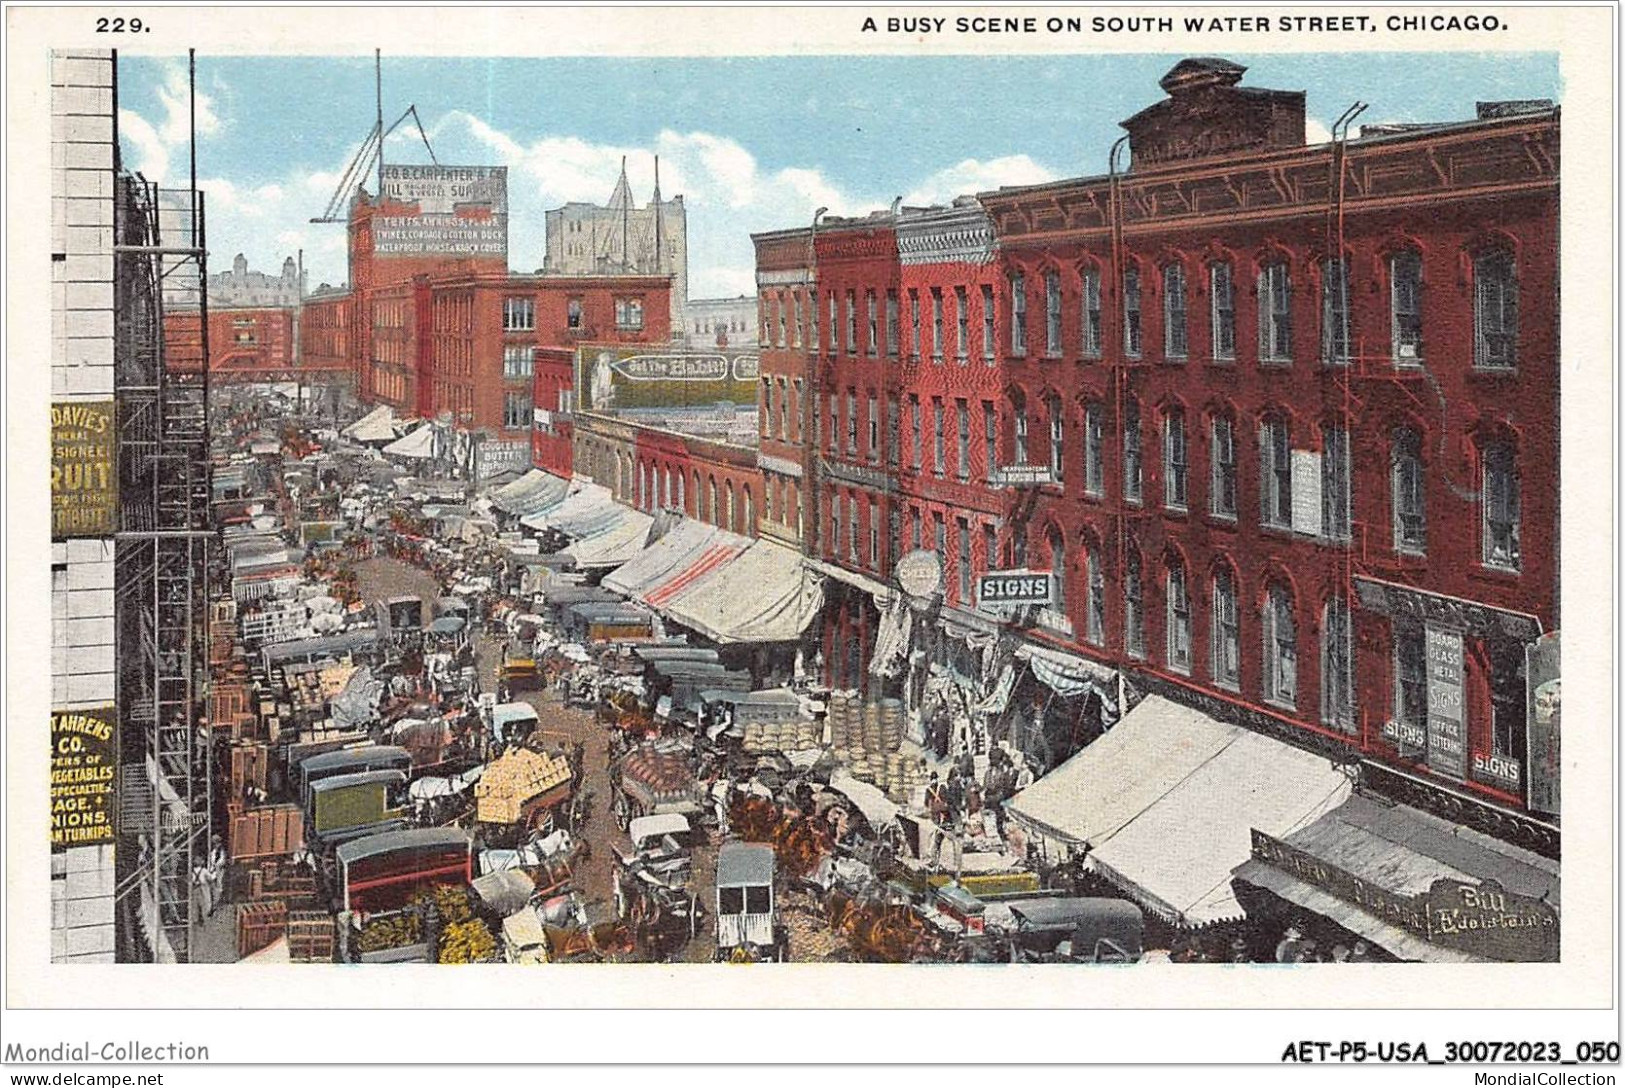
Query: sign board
[(1471, 618), (1544, 763), (84, 476), (450, 211), (1306, 492), (1501, 771), (1447, 750), (610, 378), (1407, 736), (84, 766), (1021, 476), (1481, 919), (1015, 587), (919, 573)]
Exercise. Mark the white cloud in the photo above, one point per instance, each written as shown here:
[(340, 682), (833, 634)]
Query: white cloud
[(974, 175), (145, 151), (1316, 132)]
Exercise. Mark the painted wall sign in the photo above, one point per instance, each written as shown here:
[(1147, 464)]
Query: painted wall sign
[(84, 768), (1407, 736), (1021, 476), (84, 476), (460, 211), (1471, 618), (1545, 725), (919, 573), (1481, 919), (1447, 750), (608, 378), (1015, 587)]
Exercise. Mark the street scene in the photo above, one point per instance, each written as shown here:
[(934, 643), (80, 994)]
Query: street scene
[(1153, 565)]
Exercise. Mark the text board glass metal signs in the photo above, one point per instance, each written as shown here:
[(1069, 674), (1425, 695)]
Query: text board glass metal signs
[(1014, 588), (1545, 724), (611, 378), (84, 768), (444, 211), (84, 483), (1447, 750)]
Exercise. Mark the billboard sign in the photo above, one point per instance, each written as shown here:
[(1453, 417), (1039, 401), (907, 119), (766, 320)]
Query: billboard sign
[(84, 480), (1447, 751), (612, 377), (84, 764), (443, 211), (1004, 588)]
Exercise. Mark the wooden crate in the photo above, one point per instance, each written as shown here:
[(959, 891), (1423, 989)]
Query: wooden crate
[(260, 925), (311, 937), (267, 831)]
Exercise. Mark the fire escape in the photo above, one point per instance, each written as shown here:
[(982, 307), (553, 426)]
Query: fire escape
[(163, 553)]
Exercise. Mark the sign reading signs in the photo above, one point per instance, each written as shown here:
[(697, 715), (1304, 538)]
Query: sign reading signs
[(1481, 919), (1545, 725), (1447, 750), (84, 480), (1015, 587), (460, 211), (84, 763), (1021, 476), (919, 573)]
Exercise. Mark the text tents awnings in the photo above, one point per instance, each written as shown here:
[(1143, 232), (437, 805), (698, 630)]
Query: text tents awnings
[(679, 547), (763, 595), (1167, 801), (1400, 852), (615, 544)]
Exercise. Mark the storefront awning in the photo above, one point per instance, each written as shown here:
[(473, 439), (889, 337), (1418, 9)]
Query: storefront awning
[(1167, 802), (616, 542), (720, 550), (878, 590), (763, 595), (1398, 854), (419, 445), (1069, 675), (532, 493), (583, 501), (666, 557)]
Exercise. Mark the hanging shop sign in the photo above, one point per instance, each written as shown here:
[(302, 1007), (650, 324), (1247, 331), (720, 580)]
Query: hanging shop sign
[(1480, 919), (1021, 476), (1447, 750), (1015, 587), (1545, 724), (84, 480), (1408, 737), (919, 573), (84, 767)]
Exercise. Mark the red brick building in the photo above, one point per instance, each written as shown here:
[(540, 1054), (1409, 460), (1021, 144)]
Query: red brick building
[(1290, 414), (788, 337), (244, 344), (326, 333), (553, 439)]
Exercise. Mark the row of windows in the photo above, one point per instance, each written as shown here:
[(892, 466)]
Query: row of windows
[(519, 314), (780, 416), (517, 410), (659, 487), (1494, 301)]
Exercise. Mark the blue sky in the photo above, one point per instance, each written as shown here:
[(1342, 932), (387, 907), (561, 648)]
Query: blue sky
[(751, 143)]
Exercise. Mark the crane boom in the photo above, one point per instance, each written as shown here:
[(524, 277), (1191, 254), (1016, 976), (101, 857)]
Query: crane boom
[(362, 161)]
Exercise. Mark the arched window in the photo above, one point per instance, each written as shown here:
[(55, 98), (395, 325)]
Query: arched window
[(1133, 606), (1280, 649), (1334, 482), (1018, 413), (1503, 507), (1132, 470), (1334, 311), (1094, 621), (1132, 334), (1175, 460), (1174, 340), (1495, 311), (643, 486), (1222, 466), (1091, 313), (682, 497), (1275, 313), (711, 500), (1337, 665), (732, 523), (1057, 567), (750, 513), (1179, 618), (1226, 648), (1405, 303), (1057, 435), (1275, 473), (770, 487)]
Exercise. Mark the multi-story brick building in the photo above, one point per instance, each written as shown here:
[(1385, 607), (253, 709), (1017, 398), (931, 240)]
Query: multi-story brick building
[(787, 336), (248, 344), (1289, 412), (327, 341)]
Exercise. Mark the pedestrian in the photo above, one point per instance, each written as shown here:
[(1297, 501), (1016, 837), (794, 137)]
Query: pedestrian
[(1290, 949)]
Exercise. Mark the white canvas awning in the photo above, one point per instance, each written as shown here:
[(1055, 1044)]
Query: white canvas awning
[(418, 445), (615, 544), (377, 425), (763, 595), (1167, 802), (532, 493), (869, 800), (681, 545), (584, 499)]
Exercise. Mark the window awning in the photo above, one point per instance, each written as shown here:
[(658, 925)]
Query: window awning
[(1167, 801), (661, 560), (1399, 852), (618, 541), (762, 595)]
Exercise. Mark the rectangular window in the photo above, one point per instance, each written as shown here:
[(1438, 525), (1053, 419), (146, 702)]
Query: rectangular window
[(913, 323), (962, 411), (1052, 315), (1091, 314), (937, 456), (871, 308), (1405, 302), (1334, 312), (518, 315), (852, 528), (1226, 633), (1223, 486), (936, 324), (916, 446), (990, 439), (795, 413), (1223, 291), (1280, 651), (764, 321), (964, 565), (961, 324), (915, 535), (893, 336), (1179, 622), (812, 319), (1021, 432), (1334, 484), (1132, 469), (874, 535), (834, 423), (1133, 608), (1337, 666), (834, 545), (1094, 450), (990, 548), (1131, 314), (516, 411), (1175, 461), (1275, 474), (941, 538), (817, 423), (874, 429), (1057, 438), (1409, 497), (518, 361), (572, 313), (852, 422), (795, 324), (1502, 509), (894, 438), (987, 324), (784, 408), (834, 323), (1410, 678), (851, 323), (1275, 314), (1018, 314), (1173, 312), (1495, 312), (1095, 629)]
